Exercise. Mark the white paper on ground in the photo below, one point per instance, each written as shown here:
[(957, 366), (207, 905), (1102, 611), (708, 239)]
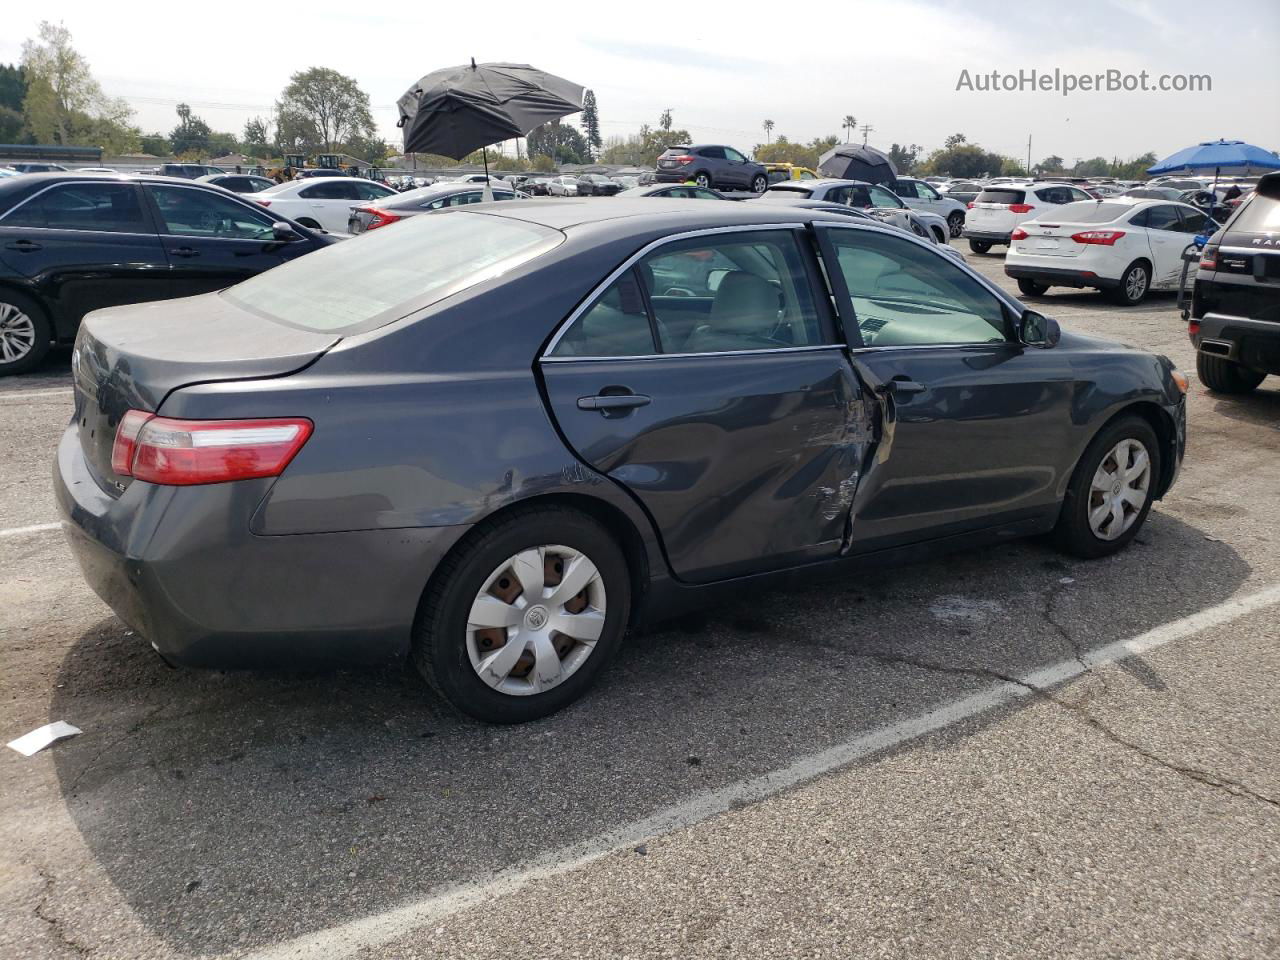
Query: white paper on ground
[(41, 737)]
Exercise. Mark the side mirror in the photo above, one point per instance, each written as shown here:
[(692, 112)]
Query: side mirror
[(1037, 330), (284, 232)]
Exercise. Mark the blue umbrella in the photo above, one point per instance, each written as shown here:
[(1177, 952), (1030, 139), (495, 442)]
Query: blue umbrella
[(1232, 157)]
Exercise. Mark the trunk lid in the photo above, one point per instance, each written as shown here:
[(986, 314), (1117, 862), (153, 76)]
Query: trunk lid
[(1049, 234), (132, 357)]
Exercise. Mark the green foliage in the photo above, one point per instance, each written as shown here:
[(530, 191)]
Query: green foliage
[(191, 135), (961, 160), (953, 141), (256, 138), (768, 130), (1013, 167), (156, 144), (561, 142), (1134, 168), (783, 150), (13, 86), (642, 149), (591, 121), (63, 103), (904, 157), (1050, 164), (1094, 167), (322, 110), (11, 125), (543, 164), (849, 124)]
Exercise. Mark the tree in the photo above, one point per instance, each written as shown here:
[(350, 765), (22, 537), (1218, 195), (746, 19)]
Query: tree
[(962, 160), (256, 138), (954, 141), (324, 107), (783, 150), (191, 135), (849, 124), (591, 122), (13, 86), (63, 101), (1094, 167), (904, 157), (1050, 164), (768, 130), (664, 121), (11, 125), (156, 144), (559, 141)]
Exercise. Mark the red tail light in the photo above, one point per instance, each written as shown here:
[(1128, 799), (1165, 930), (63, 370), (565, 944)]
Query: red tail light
[(969, 204), (265, 203), (185, 452), (684, 158), (1193, 328), (1018, 234), (1209, 258), (1104, 238), (1020, 208), (380, 217)]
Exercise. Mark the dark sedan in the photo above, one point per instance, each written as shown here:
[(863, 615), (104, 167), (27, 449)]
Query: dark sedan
[(597, 185), (379, 213), (496, 437), (71, 243), (238, 182)]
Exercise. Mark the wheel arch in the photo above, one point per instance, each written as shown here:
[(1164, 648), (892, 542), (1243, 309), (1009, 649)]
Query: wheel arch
[(1166, 435)]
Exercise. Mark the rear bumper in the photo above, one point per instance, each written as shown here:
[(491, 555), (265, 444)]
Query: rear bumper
[(1058, 276), (180, 566), (990, 236), (1251, 343), (674, 176)]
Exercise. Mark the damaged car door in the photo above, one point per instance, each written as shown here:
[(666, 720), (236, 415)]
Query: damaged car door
[(707, 377), (975, 428)]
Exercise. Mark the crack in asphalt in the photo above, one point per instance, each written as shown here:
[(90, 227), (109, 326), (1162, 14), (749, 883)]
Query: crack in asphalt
[(55, 923), (132, 729), (1204, 777), (1074, 645)]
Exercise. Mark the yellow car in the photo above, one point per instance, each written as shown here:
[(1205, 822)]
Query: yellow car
[(777, 172)]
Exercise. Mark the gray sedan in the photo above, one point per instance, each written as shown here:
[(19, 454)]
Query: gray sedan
[(680, 191), (379, 213)]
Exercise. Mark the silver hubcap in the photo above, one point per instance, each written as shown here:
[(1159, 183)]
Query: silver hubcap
[(17, 333), (1119, 489), (1135, 285), (536, 620)]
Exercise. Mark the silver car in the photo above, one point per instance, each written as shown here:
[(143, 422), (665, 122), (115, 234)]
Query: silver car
[(378, 213)]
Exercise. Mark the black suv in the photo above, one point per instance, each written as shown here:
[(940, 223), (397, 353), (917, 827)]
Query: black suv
[(1235, 306), (711, 165), (75, 242)]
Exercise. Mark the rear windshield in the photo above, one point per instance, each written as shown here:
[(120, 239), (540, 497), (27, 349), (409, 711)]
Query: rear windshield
[(1261, 214), (1001, 196), (790, 188), (387, 274), (1088, 211)]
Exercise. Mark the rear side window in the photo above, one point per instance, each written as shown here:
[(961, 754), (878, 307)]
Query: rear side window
[(328, 189), (1001, 196), (616, 325), (390, 274), (106, 207), (1164, 217), (1261, 214), (1055, 194), (905, 188), (712, 153)]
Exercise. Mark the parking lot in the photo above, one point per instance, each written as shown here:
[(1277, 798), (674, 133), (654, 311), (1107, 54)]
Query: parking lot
[(1004, 753)]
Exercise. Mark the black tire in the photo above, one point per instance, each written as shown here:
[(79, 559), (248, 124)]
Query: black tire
[(25, 330), (759, 183), (703, 179), (1224, 376), (1135, 284), (938, 235), (979, 246), (955, 223), (1073, 533), (439, 648), (1031, 288)]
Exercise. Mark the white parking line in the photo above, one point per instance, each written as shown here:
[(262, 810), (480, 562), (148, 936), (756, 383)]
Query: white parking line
[(349, 938), (36, 394), (34, 528)]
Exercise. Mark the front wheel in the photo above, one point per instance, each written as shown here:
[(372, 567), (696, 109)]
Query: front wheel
[(703, 179), (979, 246), (25, 334), (522, 617), (1032, 289), (759, 183), (1111, 490), (1223, 376), (955, 223)]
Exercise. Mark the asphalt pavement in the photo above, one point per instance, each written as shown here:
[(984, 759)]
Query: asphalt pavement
[(1005, 753)]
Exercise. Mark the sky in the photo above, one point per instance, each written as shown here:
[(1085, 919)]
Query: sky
[(892, 64)]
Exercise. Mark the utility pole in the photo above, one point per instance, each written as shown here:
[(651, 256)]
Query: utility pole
[(1028, 154), (866, 129)]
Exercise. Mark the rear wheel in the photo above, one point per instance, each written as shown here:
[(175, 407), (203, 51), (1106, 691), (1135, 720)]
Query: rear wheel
[(759, 183), (1031, 288), (1111, 490), (25, 333), (703, 179), (979, 246), (521, 618), (955, 223), (1134, 285), (1223, 376)]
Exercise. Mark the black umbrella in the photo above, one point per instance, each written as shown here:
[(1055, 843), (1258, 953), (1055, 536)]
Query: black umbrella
[(857, 161), (454, 111)]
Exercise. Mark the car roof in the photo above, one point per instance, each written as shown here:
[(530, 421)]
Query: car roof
[(433, 190), (68, 176)]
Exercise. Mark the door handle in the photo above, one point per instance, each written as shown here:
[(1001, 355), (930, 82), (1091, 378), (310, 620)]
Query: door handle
[(901, 387), (607, 403), (24, 246), (185, 252)]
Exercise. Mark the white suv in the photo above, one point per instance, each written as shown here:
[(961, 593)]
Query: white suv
[(919, 195), (1121, 245), (996, 212)]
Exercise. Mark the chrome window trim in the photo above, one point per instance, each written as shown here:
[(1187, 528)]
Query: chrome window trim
[(590, 300), (67, 183), (814, 348)]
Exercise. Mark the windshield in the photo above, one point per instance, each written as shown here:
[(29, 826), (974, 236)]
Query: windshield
[(384, 275)]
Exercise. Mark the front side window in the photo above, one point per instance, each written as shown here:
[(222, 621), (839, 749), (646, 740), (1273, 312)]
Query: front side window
[(926, 192), (199, 213), (106, 207), (366, 190), (734, 155), (806, 175), (904, 294)]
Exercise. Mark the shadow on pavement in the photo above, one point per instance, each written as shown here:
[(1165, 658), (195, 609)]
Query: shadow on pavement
[(246, 808)]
